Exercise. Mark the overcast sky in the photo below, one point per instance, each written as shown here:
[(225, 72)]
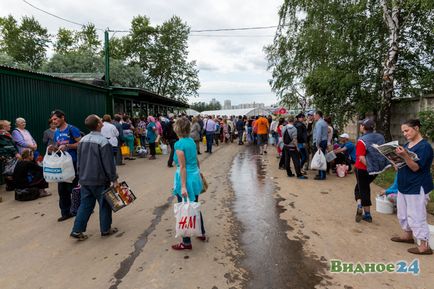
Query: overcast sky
[(232, 64)]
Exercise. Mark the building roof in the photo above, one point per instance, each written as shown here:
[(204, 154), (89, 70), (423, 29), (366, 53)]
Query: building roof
[(237, 112), (145, 95)]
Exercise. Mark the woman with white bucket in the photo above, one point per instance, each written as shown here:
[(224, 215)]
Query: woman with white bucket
[(414, 185)]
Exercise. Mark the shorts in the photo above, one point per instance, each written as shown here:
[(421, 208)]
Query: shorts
[(262, 139)]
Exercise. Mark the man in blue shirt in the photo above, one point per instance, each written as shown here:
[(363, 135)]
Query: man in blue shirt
[(240, 129), (209, 128), (346, 154), (320, 137), (66, 138)]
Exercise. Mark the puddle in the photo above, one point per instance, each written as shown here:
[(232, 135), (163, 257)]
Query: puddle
[(273, 261)]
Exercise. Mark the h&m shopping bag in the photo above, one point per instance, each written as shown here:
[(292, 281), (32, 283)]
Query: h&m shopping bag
[(188, 220), (58, 167), (319, 161)]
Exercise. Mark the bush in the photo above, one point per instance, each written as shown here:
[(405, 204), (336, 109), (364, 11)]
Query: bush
[(427, 120)]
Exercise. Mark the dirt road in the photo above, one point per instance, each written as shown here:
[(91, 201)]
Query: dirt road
[(265, 231)]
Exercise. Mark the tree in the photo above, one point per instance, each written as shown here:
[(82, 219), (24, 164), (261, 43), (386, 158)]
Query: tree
[(26, 43), (336, 51), (88, 39), (203, 106), (66, 41)]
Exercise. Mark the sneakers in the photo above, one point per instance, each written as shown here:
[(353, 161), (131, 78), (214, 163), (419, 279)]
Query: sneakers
[(359, 213), (109, 232), (367, 218), (78, 236), (182, 246)]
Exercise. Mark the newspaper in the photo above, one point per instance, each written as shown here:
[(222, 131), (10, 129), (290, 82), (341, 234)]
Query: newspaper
[(389, 151)]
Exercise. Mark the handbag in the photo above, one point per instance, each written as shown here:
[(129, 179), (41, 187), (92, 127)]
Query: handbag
[(125, 150), (204, 184), (119, 197), (9, 167)]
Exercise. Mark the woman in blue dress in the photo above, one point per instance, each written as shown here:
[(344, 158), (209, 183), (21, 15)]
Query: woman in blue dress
[(187, 180), (152, 135)]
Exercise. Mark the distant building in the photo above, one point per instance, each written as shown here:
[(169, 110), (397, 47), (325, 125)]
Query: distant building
[(248, 105), (213, 101), (227, 104)]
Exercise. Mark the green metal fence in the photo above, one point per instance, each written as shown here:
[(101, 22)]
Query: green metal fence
[(33, 96)]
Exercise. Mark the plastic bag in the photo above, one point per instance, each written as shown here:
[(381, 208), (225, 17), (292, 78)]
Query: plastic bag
[(271, 140), (164, 149), (188, 220), (319, 161), (9, 167), (125, 151), (341, 170), (330, 156), (141, 151), (58, 167)]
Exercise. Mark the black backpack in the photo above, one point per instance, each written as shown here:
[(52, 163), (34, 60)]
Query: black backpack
[(27, 194), (287, 139)]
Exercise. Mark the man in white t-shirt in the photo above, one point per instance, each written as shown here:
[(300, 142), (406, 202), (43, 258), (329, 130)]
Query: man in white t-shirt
[(110, 132)]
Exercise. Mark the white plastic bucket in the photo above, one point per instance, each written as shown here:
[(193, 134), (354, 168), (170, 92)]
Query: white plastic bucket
[(431, 237), (383, 205)]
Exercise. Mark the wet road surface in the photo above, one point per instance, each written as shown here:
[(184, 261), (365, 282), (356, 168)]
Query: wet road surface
[(273, 260)]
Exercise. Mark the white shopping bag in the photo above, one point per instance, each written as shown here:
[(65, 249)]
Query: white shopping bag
[(164, 149), (188, 222), (330, 156), (318, 161), (58, 167)]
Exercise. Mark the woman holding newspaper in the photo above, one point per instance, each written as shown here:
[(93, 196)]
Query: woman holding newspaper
[(414, 185)]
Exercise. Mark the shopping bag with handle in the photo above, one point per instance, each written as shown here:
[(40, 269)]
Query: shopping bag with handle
[(319, 161), (58, 167), (188, 222), (125, 150)]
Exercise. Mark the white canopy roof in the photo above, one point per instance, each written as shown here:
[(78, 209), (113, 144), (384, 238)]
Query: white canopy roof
[(192, 112), (237, 112)]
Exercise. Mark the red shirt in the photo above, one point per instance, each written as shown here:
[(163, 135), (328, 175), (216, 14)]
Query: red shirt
[(360, 151)]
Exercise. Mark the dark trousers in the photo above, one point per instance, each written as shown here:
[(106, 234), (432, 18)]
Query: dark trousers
[(187, 240), (362, 191), (323, 147), (152, 149), (282, 160), (209, 140), (172, 152), (292, 153), (65, 191), (118, 155), (240, 137), (216, 138), (89, 196), (303, 154)]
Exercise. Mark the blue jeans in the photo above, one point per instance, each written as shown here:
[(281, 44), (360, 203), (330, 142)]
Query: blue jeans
[(303, 154), (323, 146), (209, 140), (275, 135), (89, 196), (187, 240)]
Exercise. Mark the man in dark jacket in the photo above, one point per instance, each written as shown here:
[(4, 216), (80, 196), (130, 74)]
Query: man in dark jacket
[(171, 138), (301, 138), (96, 169), (240, 129)]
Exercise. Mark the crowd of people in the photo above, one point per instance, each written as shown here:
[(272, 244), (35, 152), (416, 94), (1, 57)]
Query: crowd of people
[(111, 141)]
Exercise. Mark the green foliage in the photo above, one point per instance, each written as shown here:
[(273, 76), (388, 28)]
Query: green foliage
[(74, 62), (25, 43), (202, 106), (332, 53), (427, 121)]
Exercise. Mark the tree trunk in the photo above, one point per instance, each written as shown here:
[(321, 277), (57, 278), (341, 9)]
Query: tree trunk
[(391, 18)]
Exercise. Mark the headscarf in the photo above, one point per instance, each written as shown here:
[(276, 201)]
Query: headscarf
[(151, 119)]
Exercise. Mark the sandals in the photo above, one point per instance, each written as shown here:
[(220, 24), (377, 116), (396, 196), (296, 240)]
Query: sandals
[(109, 232), (182, 246), (416, 251), (400, 240), (78, 236)]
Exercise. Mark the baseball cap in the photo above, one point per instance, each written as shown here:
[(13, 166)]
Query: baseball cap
[(344, 135), (368, 123), (310, 112)]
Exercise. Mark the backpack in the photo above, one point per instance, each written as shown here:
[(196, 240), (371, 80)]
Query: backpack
[(287, 139), (27, 194)]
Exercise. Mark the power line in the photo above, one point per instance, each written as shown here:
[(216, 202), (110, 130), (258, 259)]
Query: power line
[(58, 17), (127, 31), (222, 35), (235, 29)]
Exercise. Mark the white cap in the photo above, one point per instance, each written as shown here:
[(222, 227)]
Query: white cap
[(344, 135)]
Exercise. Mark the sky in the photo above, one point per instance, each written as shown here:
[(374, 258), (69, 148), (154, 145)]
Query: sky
[(232, 64)]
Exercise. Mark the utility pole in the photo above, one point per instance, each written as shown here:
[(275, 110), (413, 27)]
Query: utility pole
[(107, 57)]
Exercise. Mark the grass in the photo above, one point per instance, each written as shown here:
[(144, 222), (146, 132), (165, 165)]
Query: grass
[(386, 178)]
